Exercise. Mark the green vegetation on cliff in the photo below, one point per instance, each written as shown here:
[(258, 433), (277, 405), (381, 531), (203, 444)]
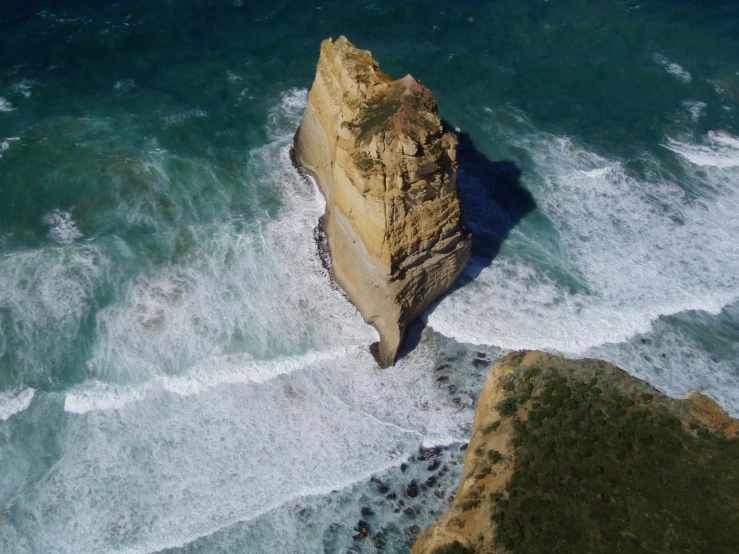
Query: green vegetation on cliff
[(454, 548), (603, 463), (376, 115)]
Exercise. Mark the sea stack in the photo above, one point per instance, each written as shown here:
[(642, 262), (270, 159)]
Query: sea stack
[(387, 168)]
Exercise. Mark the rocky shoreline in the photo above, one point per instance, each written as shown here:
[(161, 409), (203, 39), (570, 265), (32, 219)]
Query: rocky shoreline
[(636, 470)]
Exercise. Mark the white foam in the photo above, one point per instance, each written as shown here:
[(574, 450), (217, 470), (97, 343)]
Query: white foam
[(625, 252), (720, 137), (4, 145), (169, 468), (49, 284), (5, 105), (256, 286), (206, 438), (124, 86), (259, 286), (674, 362), (206, 374), (239, 369), (63, 228), (696, 108), (717, 86), (139, 182), (94, 395), (183, 116), (14, 403), (46, 292), (720, 151), (673, 68), (287, 114), (24, 87), (233, 77)]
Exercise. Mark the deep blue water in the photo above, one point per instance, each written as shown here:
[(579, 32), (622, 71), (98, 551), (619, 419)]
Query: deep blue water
[(176, 371)]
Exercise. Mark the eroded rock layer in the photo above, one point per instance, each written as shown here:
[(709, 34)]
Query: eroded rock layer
[(578, 456), (387, 168)]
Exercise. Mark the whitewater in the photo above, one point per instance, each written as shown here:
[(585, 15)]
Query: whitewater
[(178, 373)]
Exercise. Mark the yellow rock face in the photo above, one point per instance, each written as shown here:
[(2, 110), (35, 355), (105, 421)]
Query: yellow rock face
[(388, 169), (709, 413), (472, 527)]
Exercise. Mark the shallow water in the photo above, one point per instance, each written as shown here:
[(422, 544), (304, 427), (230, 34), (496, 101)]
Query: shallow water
[(176, 370)]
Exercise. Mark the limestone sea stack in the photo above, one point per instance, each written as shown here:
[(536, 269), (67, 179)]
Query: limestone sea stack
[(387, 168)]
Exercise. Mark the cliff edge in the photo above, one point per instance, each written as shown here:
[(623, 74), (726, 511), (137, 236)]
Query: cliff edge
[(387, 168), (578, 456)]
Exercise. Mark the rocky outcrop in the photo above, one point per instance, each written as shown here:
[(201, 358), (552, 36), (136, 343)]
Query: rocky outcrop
[(578, 456), (387, 168), (708, 412)]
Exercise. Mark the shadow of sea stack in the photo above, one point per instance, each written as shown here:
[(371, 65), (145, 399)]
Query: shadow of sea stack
[(493, 201)]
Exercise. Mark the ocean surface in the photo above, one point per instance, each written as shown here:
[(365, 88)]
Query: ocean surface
[(177, 372)]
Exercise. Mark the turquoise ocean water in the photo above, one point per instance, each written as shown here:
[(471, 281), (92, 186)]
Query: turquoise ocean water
[(177, 373)]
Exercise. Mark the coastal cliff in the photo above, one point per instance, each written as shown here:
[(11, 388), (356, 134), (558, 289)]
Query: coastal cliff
[(387, 168), (578, 456)]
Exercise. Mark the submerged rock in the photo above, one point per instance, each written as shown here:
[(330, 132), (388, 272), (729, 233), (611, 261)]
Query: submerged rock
[(378, 540), (412, 489), (362, 528), (387, 168), (578, 456), (382, 487)]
